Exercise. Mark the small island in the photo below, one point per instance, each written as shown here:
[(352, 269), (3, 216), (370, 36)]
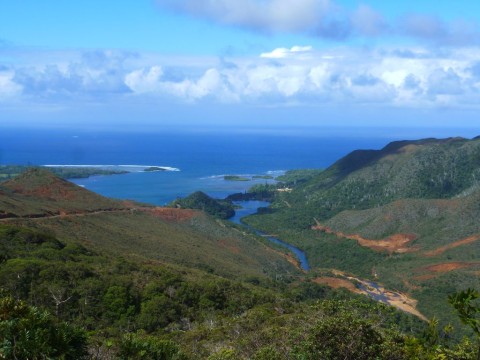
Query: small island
[(222, 209), (235, 178), (66, 172), (154, 168), (266, 177)]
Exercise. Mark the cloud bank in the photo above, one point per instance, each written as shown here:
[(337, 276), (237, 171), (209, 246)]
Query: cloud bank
[(409, 78)]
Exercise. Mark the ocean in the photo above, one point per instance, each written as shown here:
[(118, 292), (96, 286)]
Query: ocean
[(202, 157)]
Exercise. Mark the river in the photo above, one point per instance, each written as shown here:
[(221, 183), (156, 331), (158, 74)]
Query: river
[(365, 287), (250, 208)]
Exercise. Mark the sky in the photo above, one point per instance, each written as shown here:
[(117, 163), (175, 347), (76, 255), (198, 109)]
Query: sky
[(236, 63)]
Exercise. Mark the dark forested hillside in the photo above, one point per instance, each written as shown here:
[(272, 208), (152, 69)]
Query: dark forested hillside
[(426, 169)]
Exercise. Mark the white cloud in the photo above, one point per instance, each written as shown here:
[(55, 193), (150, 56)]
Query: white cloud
[(410, 77), (82, 76), (209, 83), (262, 15), (8, 88), (336, 77), (152, 81), (281, 53), (144, 80)]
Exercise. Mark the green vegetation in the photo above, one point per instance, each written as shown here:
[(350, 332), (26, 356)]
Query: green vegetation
[(267, 192), (262, 192), (235, 178), (28, 333), (110, 295), (166, 309), (294, 177), (468, 309), (10, 171), (201, 201)]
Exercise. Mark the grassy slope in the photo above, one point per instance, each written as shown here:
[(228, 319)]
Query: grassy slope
[(169, 235), (38, 192), (196, 242)]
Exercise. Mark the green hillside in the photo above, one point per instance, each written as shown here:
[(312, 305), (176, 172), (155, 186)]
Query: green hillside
[(405, 216), (426, 169)]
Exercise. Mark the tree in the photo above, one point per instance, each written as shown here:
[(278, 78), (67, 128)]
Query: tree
[(348, 337), (468, 310), (29, 333), (138, 346)]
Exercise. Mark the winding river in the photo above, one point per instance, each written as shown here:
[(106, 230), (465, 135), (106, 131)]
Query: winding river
[(250, 208), (365, 287)]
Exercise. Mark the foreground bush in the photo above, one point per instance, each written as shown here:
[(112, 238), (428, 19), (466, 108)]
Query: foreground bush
[(28, 333)]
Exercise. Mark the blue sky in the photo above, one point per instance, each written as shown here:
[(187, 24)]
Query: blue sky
[(272, 63)]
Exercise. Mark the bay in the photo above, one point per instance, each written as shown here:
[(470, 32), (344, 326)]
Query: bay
[(203, 157)]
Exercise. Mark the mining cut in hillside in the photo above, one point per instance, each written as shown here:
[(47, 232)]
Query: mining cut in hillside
[(397, 243)]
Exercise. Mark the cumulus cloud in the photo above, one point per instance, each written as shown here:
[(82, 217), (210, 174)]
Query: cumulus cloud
[(445, 82), (154, 82), (335, 77), (144, 80), (8, 88), (410, 77), (411, 82), (95, 73)]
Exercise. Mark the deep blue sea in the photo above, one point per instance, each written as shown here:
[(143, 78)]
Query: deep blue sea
[(203, 157)]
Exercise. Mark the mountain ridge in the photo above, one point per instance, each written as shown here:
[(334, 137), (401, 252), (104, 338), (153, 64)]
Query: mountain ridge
[(427, 168)]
